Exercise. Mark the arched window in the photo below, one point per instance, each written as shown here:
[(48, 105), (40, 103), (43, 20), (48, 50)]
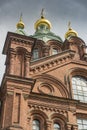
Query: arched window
[(79, 86), (56, 126), (36, 125), (54, 51), (35, 54)]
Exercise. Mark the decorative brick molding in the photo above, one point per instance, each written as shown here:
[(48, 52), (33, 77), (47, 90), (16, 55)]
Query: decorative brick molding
[(51, 62)]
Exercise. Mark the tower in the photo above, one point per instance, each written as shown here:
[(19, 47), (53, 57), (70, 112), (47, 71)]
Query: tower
[(45, 82)]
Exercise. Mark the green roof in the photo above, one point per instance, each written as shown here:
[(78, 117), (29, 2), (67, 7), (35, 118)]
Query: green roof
[(20, 31), (43, 33)]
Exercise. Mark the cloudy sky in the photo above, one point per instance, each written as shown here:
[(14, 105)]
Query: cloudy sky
[(58, 12)]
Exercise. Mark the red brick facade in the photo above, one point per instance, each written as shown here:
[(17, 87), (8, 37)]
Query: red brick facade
[(41, 89)]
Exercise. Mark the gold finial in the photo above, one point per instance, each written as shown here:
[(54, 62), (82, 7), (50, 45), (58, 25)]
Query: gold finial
[(42, 13), (69, 25), (20, 24), (70, 31), (21, 17)]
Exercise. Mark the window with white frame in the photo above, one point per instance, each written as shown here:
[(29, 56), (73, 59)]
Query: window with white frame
[(36, 125), (82, 124), (79, 87)]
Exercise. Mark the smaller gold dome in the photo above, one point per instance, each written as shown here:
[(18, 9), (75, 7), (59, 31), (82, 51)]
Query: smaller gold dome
[(43, 21), (20, 24), (70, 32)]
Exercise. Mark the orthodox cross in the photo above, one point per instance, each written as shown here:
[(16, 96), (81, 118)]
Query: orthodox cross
[(42, 13)]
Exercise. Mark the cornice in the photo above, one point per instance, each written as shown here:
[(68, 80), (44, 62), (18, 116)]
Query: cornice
[(51, 103), (52, 99), (55, 104), (22, 40), (18, 39), (47, 107), (82, 105), (47, 63), (17, 79), (79, 62)]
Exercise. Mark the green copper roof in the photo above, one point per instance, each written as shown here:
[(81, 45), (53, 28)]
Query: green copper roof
[(20, 31), (44, 33)]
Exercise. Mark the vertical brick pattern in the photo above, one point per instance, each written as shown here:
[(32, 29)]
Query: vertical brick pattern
[(18, 66), (17, 108), (8, 110)]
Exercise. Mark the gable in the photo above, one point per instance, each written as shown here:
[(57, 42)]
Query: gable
[(53, 80)]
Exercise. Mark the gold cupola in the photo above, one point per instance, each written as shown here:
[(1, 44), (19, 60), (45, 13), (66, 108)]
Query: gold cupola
[(20, 27), (20, 24), (42, 21), (70, 32)]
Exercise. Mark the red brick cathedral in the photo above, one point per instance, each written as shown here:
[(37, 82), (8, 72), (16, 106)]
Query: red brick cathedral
[(44, 86)]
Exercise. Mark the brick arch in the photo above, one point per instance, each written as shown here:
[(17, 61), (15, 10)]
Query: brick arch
[(79, 71), (38, 113), (21, 50), (39, 43), (60, 119), (74, 72), (54, 42), (21, 57), (56, 82), (54, 116)]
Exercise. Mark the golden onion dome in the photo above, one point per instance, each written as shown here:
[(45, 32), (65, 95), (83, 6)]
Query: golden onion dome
[(42, 21), (70, 32), (20, 24)]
